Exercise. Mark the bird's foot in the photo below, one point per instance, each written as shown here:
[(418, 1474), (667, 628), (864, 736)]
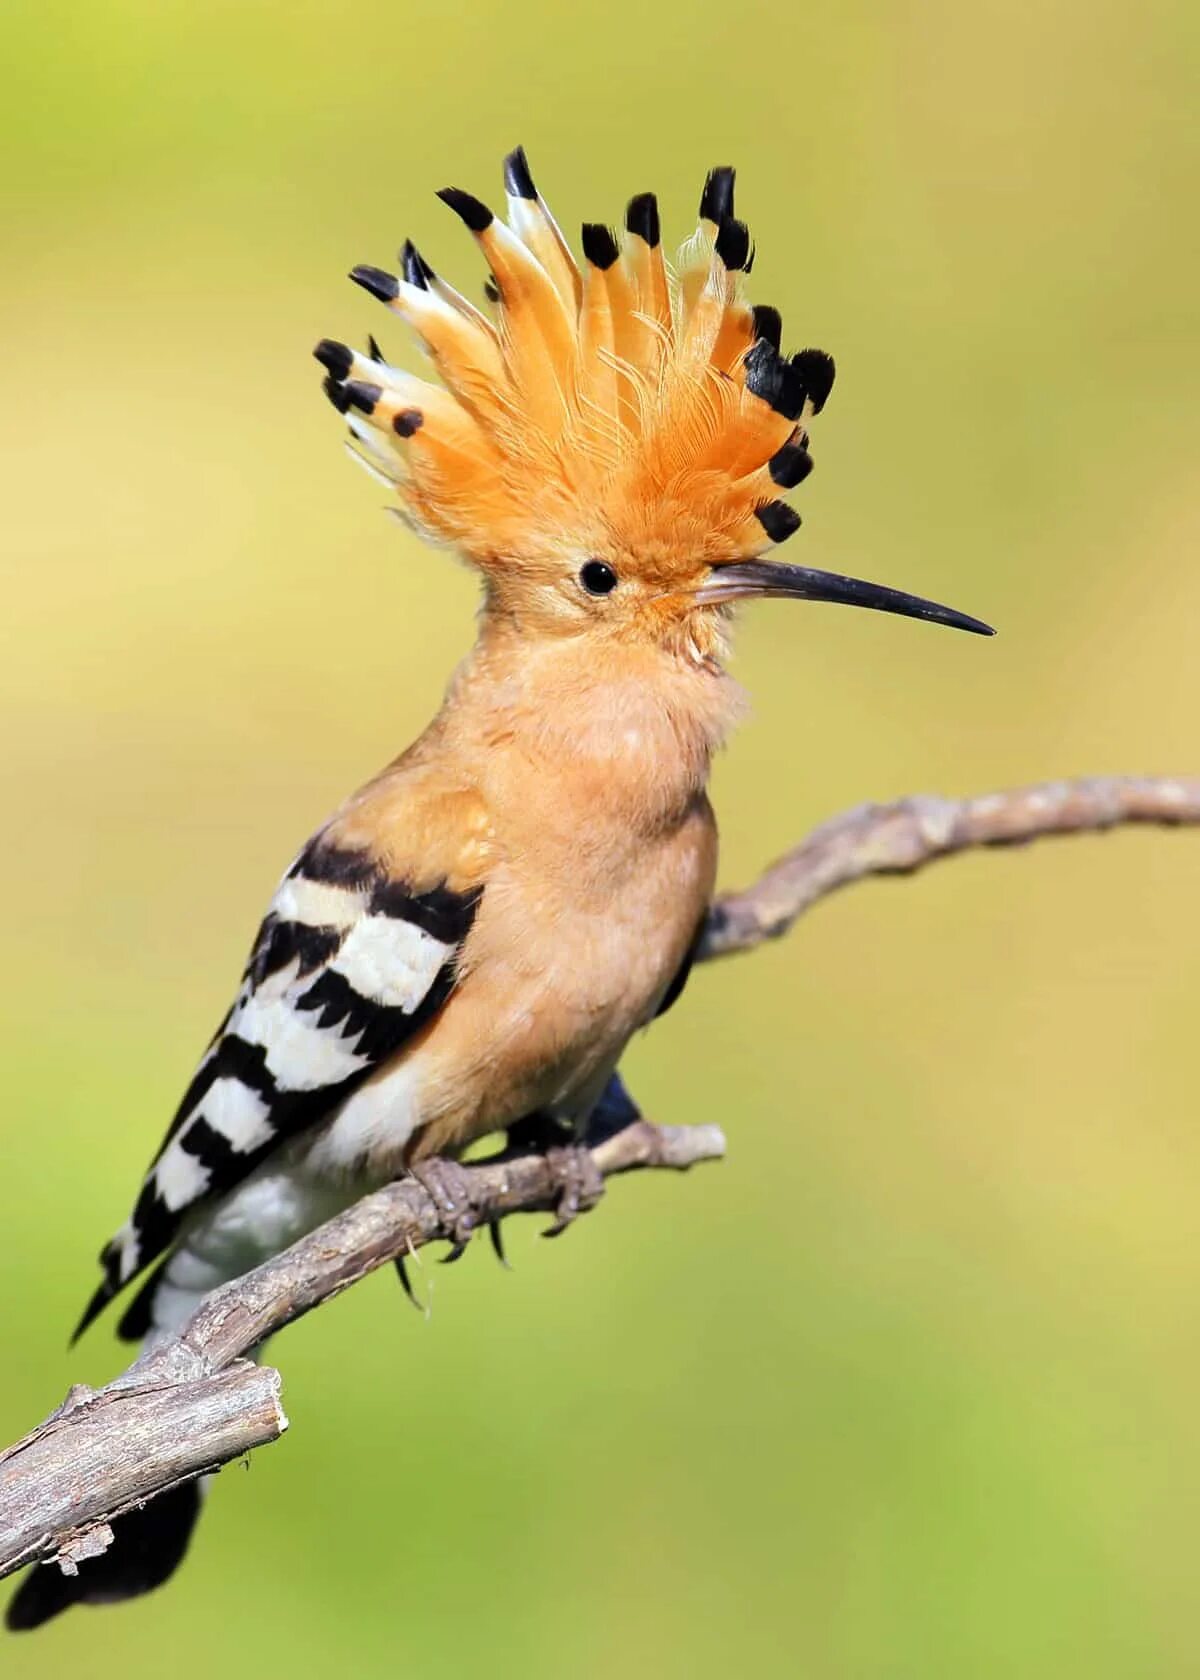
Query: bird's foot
[(576, 1177), (446, 1184), (578, 1181)]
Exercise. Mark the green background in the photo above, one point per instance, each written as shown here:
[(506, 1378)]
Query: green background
[(907, 1387)]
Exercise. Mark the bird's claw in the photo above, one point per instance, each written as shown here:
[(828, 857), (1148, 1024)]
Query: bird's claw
[(496, 1234), (406, 1284), (448, 1188), (578, 1181)]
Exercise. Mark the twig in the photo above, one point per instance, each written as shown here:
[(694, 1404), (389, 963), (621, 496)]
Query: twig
[(193, 1403), (903, 837)]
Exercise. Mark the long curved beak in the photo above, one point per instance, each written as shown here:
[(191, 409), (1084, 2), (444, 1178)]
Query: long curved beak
[(744, 579)]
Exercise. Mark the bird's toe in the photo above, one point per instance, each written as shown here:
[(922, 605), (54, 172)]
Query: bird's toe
[(579, 1183), (448, 1187)]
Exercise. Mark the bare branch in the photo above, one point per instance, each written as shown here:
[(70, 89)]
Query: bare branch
[(102, 1452), (900, 838), (193, 1403)]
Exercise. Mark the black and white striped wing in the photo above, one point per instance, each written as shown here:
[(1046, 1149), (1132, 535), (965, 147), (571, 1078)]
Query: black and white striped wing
[(347, 966)]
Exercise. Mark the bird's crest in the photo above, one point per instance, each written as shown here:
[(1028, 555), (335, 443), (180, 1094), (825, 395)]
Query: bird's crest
[(629, 404)]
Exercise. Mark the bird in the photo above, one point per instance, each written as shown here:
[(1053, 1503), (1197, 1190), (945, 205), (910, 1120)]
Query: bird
[(468, 944)]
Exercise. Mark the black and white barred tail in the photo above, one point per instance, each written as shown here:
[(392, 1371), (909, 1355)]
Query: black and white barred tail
[(148, 1545)]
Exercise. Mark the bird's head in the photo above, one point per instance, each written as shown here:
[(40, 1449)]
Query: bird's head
[(610, 447)]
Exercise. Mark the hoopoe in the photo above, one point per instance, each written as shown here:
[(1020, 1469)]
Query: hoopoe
[(469, 943)]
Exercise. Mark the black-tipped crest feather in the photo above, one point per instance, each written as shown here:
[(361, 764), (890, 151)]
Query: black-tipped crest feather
[(733, 243), (778, 520), (362, 394), (716, 201), (336, 358), (768, 324), (641, 218), (414, 268), (472, 210), (517, 179), (790, 466), (771, 377), (599, 244), (336, 393), (816, 370), (377, 281)]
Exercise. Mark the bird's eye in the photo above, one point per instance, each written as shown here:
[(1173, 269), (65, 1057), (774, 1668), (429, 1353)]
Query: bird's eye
[(597, 578)]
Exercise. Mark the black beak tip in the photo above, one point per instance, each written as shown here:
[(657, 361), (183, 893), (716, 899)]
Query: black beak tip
[(933, 613), (748, 578)]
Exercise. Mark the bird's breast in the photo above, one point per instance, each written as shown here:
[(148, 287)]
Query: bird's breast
[(571, 951)]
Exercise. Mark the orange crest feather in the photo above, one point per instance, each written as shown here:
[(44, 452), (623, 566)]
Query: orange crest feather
[(627, 405)]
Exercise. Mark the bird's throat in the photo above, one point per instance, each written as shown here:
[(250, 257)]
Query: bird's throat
[(628, 732)]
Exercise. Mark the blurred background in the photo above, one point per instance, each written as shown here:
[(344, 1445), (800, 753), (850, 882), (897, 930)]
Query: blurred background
[(907, 1387)]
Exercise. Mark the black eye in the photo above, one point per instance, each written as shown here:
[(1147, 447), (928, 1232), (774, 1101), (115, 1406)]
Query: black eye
[(597, 578)]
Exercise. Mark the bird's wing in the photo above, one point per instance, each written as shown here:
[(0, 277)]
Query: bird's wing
[(674, 991), (349, 963)]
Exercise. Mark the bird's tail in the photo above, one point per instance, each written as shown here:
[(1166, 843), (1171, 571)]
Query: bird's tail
[(150, 1541), (147, 1547)]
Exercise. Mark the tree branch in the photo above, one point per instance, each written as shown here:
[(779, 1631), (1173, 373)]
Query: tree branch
[(900, 838), (193, 1402)]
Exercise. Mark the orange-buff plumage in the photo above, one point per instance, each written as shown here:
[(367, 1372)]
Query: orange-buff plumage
[(468, 945)]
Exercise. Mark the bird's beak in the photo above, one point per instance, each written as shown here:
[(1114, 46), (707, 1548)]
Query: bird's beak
[(745, 579)]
